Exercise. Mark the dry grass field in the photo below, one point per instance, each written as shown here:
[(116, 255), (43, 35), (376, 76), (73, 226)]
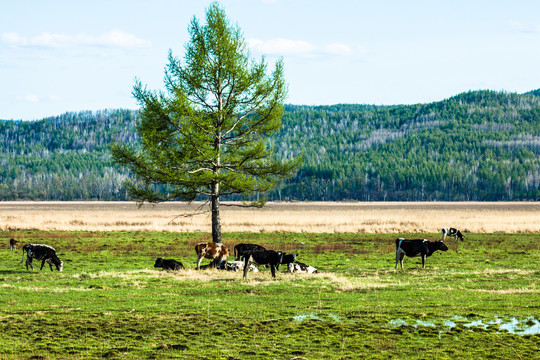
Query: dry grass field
[(314, 217)]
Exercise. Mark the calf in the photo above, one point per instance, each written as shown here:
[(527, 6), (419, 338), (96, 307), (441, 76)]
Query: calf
[(13, 244), (240, 249), (448, 231), (263, 257), (168, 264), (42, 252), (299, 267), (238, 266), (417, 247), (287, 259), (213, 251)]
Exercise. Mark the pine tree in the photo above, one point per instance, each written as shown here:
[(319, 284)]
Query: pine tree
[(205, 136)]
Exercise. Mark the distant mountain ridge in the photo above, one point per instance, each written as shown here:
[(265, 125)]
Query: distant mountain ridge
[(478, 145)]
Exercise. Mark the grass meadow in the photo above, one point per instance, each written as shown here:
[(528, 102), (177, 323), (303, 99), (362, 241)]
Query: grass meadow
[(479, 300)]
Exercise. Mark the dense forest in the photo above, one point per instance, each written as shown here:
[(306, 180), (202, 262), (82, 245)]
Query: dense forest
[(479, 145)]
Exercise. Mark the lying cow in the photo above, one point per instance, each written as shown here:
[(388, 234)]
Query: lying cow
[(417, 247), (238, 266), (13, 244), (448, 231), (213, 251), (240, 249), (42, 252), (298, 267), (262, 257), (168, 264)]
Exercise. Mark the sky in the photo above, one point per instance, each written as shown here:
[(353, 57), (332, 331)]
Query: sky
[(63, 55)]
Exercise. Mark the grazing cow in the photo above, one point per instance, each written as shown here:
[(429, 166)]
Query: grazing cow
[(13, 244), (240, 249), (448, 231), (238, 266), (42, 252), (263, 257), (168, 264), (417, 247), (301, 268), (287, 259), (213, 251)]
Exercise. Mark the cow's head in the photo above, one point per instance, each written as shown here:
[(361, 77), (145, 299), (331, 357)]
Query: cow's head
[(159, 262), (60, 266), (460, 235), (441, 246)]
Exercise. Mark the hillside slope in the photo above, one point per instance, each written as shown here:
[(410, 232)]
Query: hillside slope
[(480, 145)]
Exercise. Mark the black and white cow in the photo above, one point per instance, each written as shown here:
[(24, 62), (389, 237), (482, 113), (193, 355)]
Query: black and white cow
[(237, 266), (298, 267), (42, 252), (262, 257), (13, 244), (168, 264), (449, 231), (240, 249), (287, 259), (417, 247)]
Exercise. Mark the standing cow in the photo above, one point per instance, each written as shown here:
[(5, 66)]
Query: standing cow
[(13, 244), (213, 251), (262, 257), (42, 252), (449, 231), (417, 247)]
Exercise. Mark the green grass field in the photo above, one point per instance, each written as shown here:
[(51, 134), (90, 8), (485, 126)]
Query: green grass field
[(109, 302)]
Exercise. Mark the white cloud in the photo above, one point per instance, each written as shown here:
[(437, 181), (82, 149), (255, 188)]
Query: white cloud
[(113, 38), (33, 98), (522, 27), (284, 47)]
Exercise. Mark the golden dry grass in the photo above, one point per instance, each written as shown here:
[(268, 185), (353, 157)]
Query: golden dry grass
[(315, 217)]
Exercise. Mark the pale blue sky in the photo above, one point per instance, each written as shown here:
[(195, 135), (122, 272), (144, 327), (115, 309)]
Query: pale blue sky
[(67, 55)]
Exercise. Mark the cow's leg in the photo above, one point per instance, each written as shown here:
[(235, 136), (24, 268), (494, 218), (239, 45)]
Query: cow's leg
[(397, 257), (246, 265), (199, 259), (401, 257), (273, 269), (42, 263), (29, 262), (423, 261)]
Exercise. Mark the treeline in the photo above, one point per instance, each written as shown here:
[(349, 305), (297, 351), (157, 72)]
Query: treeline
[(481, 146)]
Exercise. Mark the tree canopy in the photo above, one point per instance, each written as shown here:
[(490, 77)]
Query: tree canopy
[(205, 134)]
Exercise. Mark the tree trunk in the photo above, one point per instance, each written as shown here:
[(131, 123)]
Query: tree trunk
[(216, 221)]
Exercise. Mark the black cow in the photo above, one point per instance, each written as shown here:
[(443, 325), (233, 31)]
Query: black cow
[(168, 264), (287, 259), (262, 257), (42, 252), (448, 231), (240, 249), (417, 247)]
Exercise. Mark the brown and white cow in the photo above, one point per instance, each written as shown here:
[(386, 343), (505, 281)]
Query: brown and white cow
[(13, 244), (213, 251)]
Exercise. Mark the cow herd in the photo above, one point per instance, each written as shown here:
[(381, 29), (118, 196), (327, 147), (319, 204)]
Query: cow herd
[(247, 256)]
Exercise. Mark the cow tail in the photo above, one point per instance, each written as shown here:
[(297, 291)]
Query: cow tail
[(22, 258)]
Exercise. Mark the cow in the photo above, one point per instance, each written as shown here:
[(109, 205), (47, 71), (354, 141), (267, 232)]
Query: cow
[(448, 231), (168, 264), (238, 266), (262, 257), (210, 250), (287, 259), (417, 247), (42, 252), (240, 249), (13, 244), (299, 267)]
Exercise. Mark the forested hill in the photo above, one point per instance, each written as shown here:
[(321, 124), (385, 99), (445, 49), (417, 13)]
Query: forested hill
[(480, 145)]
